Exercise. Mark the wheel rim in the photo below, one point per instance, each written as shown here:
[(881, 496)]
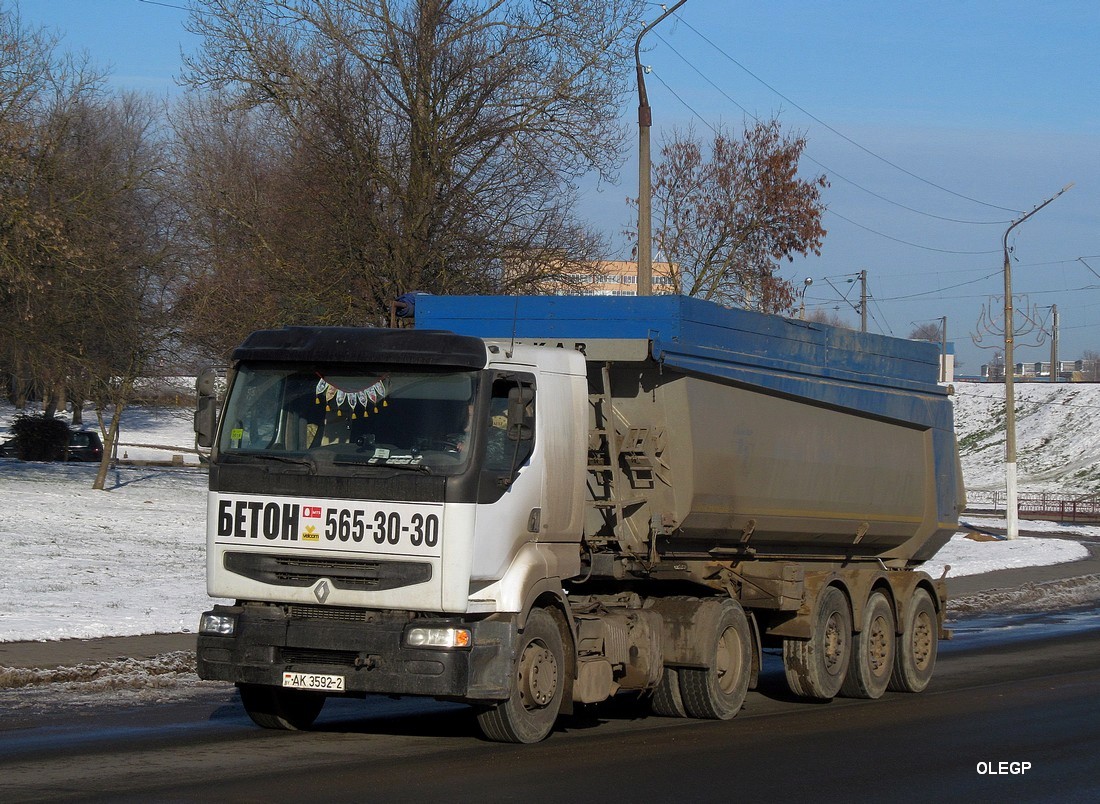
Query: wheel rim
[(835, 645), (538, 676), (878, 648), (728, 660), (922, 640)]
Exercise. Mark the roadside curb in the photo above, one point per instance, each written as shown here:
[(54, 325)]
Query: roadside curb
[(72, 652)]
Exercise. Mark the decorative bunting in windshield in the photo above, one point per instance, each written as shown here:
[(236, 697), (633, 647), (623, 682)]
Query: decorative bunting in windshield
[(373, 394)]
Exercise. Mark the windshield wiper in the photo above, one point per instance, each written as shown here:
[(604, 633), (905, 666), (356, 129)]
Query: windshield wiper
[(271, 456), (409, 467), (380, 463)]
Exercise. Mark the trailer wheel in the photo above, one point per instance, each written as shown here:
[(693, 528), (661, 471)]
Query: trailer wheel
[(916, 655), (873, 649), (666, 700), (816, 667), (717, 692), (278, 708), (529, 714)]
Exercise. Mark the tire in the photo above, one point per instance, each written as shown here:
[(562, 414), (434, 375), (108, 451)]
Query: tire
[(718, 692), (873, 650), (278, 708), (816, 667), (666, 700), (915, 659), (528, 716)]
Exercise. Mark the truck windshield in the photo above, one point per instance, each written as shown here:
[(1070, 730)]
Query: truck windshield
[(321, 415)]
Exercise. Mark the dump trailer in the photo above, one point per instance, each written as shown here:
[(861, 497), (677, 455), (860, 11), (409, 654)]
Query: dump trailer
[(530, 504)]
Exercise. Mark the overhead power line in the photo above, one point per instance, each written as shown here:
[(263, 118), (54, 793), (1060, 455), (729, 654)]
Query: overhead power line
[(941, 290), (833, 174), (907, 242), (165, 5), (704, 121), (843, 136)]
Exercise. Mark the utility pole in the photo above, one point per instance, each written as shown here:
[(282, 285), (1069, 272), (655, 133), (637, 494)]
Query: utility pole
[(863, 301), (1012, 513), (645, 192), (1054, 343), (943, 348)]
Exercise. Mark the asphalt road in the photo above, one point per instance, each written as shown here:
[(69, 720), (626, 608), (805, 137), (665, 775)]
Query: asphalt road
[(1009, 690), (998, 697)]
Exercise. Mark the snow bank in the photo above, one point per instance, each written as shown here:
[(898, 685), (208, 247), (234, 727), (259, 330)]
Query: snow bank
[(966, 556), (81, 563)]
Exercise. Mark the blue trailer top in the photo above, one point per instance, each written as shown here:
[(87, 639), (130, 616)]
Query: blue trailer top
[(698, 336), (891, 379)]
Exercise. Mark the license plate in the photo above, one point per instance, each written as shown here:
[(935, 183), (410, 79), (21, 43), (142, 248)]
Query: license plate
[(313, 681)]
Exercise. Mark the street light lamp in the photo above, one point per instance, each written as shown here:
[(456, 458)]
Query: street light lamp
[(1011, 512), (802, 298)]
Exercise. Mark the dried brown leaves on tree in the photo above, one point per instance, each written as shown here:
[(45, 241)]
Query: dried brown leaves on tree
[(398, 145), (727, 214)]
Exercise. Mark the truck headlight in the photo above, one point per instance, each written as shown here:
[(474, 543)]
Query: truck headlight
[(434, 637), (218, 624)]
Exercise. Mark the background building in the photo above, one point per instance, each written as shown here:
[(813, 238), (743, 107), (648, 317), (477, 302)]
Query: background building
[(620, 278)]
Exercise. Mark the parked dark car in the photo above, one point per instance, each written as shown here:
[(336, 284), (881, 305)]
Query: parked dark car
[(84, 445)]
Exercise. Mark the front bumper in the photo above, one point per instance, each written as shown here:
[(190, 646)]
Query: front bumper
[(367, 648)]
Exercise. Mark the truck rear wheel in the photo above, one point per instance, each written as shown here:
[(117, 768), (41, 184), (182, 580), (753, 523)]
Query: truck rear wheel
[(916, 655), (718, 691), (529, 714), (278, 708), (816, 667), (873, 649), (666, 700)]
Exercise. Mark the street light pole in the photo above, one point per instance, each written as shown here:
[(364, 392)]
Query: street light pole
[(1012, 513), (802, 298), (645, 122)]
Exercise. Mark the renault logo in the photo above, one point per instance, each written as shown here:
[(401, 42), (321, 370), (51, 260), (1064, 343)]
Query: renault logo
[(322, 591)]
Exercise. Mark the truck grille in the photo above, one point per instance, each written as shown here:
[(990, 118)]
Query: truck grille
[(334, 658), (338, 613), (342, 573)]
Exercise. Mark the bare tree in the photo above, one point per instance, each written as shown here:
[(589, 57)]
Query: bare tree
[(1090, 366), (85, 252), (404, 145), (728, 218), (822, 316), (27, 68), (928, 331)]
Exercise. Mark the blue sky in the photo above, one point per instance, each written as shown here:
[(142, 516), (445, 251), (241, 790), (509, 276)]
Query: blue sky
[(995, 101)]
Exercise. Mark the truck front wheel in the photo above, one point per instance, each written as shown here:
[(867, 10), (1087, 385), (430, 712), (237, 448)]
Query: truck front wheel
[(278, 708), (529, 714)]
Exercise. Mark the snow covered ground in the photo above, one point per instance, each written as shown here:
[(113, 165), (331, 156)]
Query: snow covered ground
[(966, 556), (1057, 442), (83, 563)]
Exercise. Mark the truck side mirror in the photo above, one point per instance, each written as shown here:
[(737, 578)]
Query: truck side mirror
[(206, 381), (206, 408), (519, 423)]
